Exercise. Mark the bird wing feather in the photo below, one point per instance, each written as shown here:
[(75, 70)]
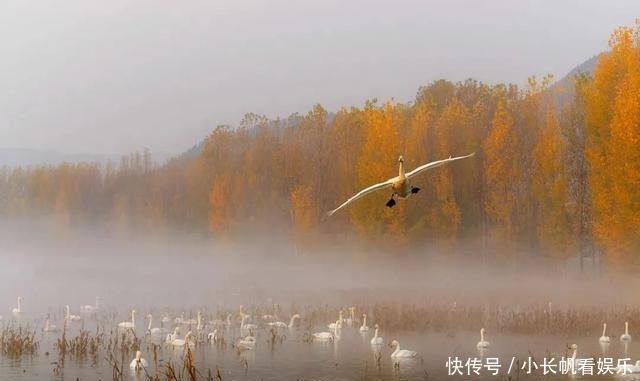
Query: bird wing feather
[(362, 193), (434, 164)]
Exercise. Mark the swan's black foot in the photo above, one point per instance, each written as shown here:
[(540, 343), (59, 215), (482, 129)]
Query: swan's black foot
[(415, 190), (391, 203)]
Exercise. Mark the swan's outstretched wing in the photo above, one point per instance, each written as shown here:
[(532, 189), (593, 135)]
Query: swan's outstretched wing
[(434, 164), (362, 193)]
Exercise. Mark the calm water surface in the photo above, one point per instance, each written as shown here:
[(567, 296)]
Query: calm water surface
[(350, 357)]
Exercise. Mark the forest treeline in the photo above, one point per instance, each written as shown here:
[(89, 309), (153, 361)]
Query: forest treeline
[(548, 179)]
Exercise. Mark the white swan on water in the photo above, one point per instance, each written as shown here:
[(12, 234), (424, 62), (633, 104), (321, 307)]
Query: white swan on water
[(246, 326), (604, 339), (173, 340), (246, 343), (213, 336), (138, 363), (18, 309), (90, 309), (48, 327), (281, 324), (376, 340), (401, 353), (482, 343), (573, 362), (363, 327), (71, 317), (323, 336), (129, 324), (332, 326), (155, 331), (351, 320), (400, 187), (625, 336)]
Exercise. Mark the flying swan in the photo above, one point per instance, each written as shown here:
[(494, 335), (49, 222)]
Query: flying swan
[(399, 185)]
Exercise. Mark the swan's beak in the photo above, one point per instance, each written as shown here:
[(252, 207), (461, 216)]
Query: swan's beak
[(400, 159)]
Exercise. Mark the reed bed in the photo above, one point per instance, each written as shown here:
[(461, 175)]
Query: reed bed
[(117, 347)]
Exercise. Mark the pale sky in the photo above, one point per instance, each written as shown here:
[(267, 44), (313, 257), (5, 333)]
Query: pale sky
[(110, 77)]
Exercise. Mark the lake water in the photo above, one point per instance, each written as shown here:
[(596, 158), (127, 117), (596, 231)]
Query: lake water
[(351, 357)]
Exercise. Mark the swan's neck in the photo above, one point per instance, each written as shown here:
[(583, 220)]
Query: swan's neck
[(481, 335), (67, 311), (375, 334), (364, 321), (401, 170), (46, 325), (150, 320), (626, 328), (133, 318), (397, 349), (18, 304), (604, 329), (293, 318)]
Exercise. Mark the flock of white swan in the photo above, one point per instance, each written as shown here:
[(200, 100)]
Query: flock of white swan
[(214, 330)]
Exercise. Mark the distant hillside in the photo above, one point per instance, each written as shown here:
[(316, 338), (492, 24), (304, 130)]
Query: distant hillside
[(564, 87)]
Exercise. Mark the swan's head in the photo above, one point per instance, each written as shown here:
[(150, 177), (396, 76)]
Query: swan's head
[(133, 312), (295, 316), (138, 355), (364, 315), (573, 347), (188, 336), (394, 344), (376, 326), (352, 308), (149, 316), (483, 331), (20, 298), (400, 159), (176, 330)]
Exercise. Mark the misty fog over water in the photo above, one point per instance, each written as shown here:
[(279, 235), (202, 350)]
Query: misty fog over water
[(49, 270)]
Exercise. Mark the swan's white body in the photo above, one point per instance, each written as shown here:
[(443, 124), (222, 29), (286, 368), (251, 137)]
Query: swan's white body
[(281, 324), (18, 309), (246, 326), (399, 185), (573, 362), (482, 343), (213, 336), (625, 336), (351, 320), (401, 353), (363, 327), (176, 342), (129, 324), (90, 309), (376, 340), (48, 327), (248, 343), (138, 363), (604, 339), (156, 330), (333, 326), (70, 317), (323, 336)]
